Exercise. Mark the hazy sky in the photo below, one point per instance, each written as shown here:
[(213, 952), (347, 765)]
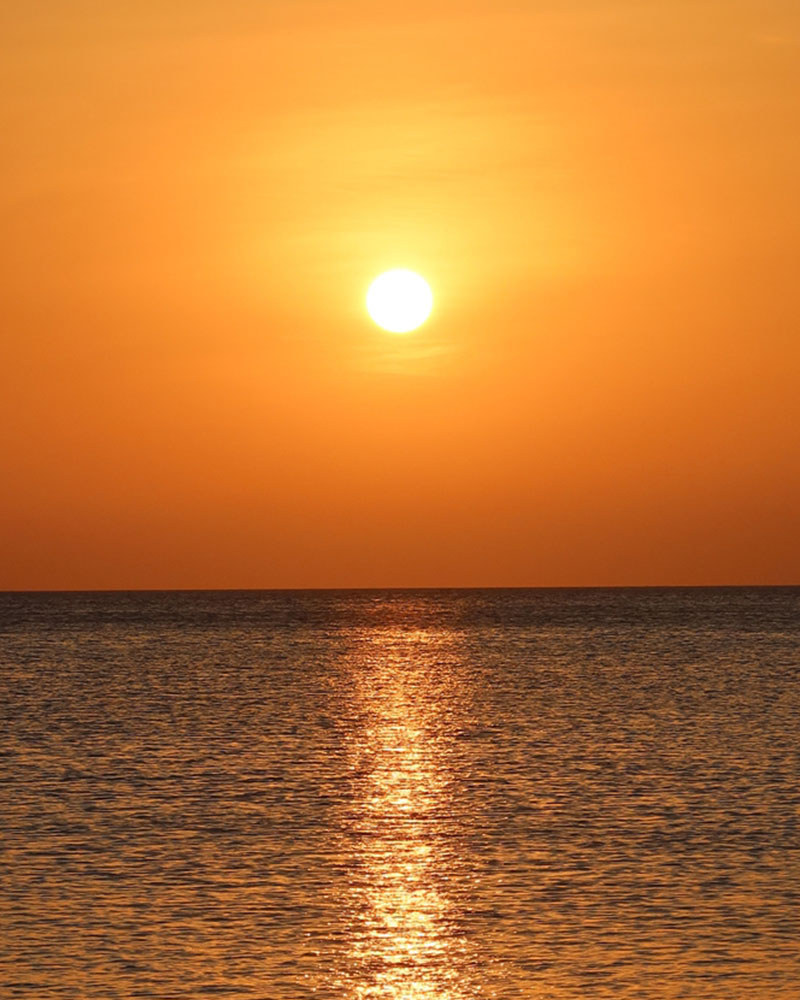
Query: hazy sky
[(604, 197)]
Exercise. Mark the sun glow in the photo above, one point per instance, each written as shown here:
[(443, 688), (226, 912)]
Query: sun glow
[(399, 300)]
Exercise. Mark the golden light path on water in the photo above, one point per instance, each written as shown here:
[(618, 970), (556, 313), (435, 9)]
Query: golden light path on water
[(406, 943)]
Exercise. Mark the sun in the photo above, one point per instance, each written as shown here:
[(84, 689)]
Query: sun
[(399, 300)]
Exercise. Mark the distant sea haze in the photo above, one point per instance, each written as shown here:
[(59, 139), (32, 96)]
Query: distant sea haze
[(401, 795)]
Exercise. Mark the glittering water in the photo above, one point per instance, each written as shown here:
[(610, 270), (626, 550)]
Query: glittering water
[(401, 795)]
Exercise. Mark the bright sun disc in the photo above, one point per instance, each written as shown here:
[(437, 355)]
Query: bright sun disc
[(399, 300)]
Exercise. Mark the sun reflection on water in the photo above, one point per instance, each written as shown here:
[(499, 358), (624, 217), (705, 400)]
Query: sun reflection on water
[(406, 943)]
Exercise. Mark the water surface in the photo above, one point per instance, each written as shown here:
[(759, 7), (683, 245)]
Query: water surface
[(432, 795)]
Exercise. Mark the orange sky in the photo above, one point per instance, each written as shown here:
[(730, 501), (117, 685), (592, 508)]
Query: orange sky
[(195, 195)]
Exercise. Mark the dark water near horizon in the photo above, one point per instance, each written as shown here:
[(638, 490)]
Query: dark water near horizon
[(409, 795)]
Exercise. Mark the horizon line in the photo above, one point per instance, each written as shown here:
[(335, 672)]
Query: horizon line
[(397, 589)]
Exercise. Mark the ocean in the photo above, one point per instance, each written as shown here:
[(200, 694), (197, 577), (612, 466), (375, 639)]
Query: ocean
[(407, 795)]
